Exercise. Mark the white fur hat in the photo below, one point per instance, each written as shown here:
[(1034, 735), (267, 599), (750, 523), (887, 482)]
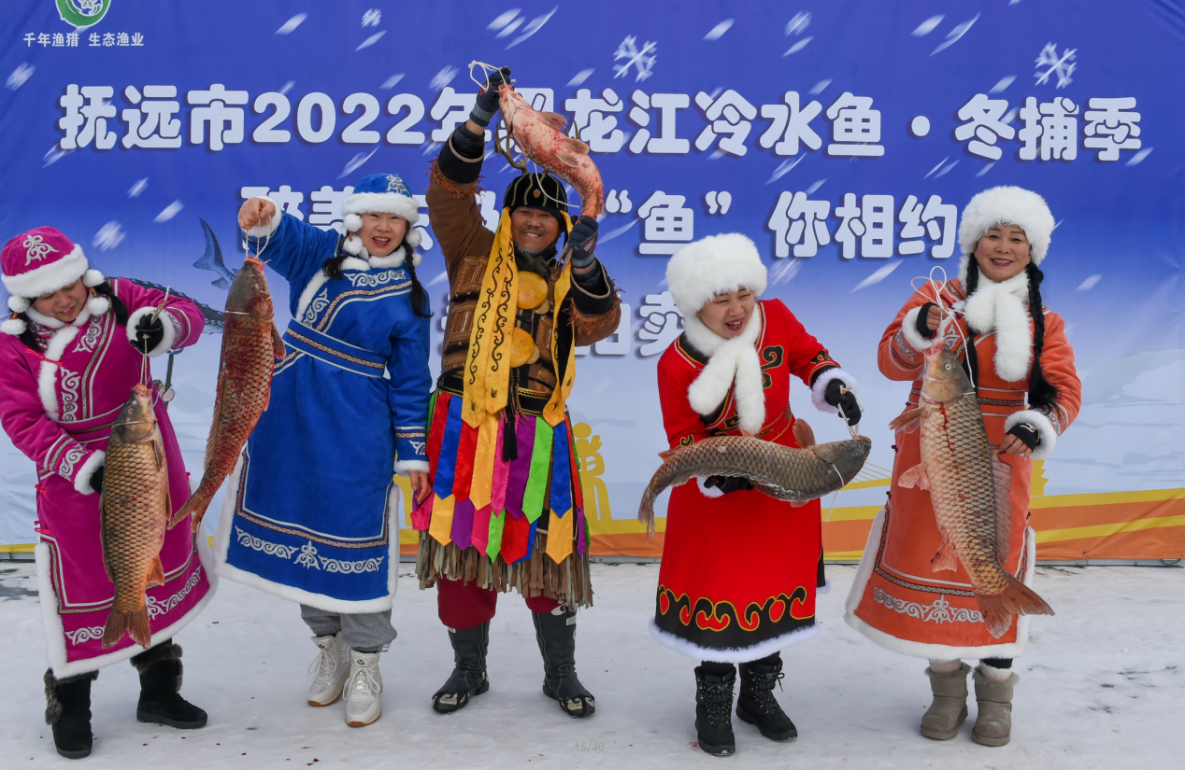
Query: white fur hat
[(379, 193), (1006, 205), (714, 265)]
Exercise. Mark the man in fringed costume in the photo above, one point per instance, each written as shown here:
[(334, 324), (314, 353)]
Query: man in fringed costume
[(506, 509)]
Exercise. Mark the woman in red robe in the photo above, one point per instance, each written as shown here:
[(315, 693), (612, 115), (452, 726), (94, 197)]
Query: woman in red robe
[(740, 569)]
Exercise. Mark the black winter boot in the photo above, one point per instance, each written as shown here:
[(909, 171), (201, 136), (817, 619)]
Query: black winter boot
[(556, 633), (713, 711), (469, 669), (68, 711), (757, 705), (160, 682)]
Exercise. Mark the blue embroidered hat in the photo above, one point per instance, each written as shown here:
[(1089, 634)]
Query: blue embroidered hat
[(383, 193)]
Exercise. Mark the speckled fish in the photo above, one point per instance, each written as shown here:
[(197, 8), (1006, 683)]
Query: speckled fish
[(968, 488), (135, 510), (540, 135), (782, 472), (250, 345)]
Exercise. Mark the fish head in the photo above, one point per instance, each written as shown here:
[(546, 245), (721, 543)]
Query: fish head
[(510, 102), (137, 420), (249, 294), (847, 456), (944, 379)]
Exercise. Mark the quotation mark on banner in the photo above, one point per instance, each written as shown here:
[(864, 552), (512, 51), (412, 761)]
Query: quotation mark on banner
[(718, 201), (618, 203)]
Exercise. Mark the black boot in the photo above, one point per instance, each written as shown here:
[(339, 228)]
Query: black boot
[(556, 634), (757, 705), (160, 682), (713, 710), (469, 669), (68, 711)]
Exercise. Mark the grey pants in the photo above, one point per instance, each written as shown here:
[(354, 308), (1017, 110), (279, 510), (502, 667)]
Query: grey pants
[(364, 632)]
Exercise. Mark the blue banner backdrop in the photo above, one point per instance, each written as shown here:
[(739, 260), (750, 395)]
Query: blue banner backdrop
[(843, 137)]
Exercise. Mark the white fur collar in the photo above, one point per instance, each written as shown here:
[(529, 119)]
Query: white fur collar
[(94, 306), (1002, 307), (729, 361)]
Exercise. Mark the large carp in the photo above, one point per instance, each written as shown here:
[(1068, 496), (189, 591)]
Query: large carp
[(782, 472), (968, 487), (250, 343), (135, 510)]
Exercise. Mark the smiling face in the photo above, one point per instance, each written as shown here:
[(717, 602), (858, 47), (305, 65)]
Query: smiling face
[(728, 314), (533, 229), (382, 233), (1002, 252), (64, 304)]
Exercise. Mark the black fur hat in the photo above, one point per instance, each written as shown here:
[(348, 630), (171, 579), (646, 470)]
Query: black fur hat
[(538, 191)]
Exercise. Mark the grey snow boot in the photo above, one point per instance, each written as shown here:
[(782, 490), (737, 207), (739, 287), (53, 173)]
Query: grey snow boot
[(160, 686), (756, 703), (555, 632), (469, 669), (993, 724), (949, 707), (68, 712), (713, 711)]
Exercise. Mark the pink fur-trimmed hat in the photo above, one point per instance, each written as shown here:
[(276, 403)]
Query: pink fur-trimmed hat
[(41, 261)]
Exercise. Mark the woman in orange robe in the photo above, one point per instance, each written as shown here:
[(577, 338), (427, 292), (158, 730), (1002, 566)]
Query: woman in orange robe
[(1013, 346)]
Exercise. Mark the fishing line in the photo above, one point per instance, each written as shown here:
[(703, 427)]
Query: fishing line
[(947, 315)]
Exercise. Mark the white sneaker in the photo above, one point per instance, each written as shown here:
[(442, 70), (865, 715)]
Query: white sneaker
[(363, 705), (332, 667)]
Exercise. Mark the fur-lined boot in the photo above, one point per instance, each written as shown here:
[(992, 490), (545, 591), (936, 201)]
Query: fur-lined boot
[(993, 691), (160, 682), (68, 712), (948, 710)]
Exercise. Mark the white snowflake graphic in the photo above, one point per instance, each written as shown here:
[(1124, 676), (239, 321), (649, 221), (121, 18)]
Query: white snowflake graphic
[(372, 18), (644, 59), (109, 236), (798, 24), (20, 75), (443, 78), (1061, 65)]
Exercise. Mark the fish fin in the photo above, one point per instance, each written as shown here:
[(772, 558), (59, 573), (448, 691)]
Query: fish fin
[(803, 435), (168, 508), (553, 119), (158, 452), (669, 453), (908, 421), (914, 477), (1017, 597), (945, 558), (575, 145), (114, 628), (1002, 478), (156, 573), (798, 503), (221, 283), (103, 547), (279, 350), (570, 159), (196, 506)]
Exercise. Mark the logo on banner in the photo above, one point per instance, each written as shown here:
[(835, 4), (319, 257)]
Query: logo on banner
[(83, 13)]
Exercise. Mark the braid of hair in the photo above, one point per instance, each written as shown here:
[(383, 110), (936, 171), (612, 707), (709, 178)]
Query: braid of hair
[(28, 338), (971, 362), (419, 297), (1041, 392)]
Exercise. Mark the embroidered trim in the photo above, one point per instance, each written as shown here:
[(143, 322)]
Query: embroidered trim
[(82, 635), (938, 612), (157, 607), (307, 557), (351, 567), (374, 280), (72, 456), (319, 303), (257, 544), (336, 353)]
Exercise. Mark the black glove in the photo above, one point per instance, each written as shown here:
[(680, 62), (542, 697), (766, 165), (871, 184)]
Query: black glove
[(97, 479), (584, 241), (1026, 433), (846, 402), (487, 100), (922, 326), (149, 334), (728, 484)]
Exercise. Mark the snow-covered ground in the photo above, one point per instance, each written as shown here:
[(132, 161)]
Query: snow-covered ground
[(1102, 685)]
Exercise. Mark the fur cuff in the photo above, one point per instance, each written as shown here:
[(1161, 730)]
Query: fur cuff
[(819, 389), (268, 229), (707, 491), (166, 342), (457, 189), (82, 479), (909, 327), (53, 706), (1041, 424), (403, 466), (166, 650)]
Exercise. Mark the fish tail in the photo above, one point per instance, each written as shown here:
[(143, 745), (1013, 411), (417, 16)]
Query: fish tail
[(1015, 598), (196, 506), (134, 624)]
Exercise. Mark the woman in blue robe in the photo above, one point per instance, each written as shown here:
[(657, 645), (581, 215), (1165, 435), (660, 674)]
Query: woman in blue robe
[(312, 512)]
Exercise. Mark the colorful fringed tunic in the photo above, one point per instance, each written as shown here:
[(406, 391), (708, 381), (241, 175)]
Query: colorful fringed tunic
[(739, 570), (312, 512), (506, 509), (58, 405), (897, 599)]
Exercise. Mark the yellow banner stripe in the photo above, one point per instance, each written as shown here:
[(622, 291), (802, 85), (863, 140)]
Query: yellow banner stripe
[(1106, 498), (1106, 530)]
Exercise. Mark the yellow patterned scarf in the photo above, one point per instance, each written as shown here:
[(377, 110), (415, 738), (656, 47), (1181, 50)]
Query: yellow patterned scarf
[(487, 366)]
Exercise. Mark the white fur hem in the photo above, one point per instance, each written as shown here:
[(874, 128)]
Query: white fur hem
[(166, 342), (732, 654), (382, 203), (46, 376), (909, 327), (269, 229), (823, 589), (920, 649), (82, 479), (55, 634), (819, 389), (403, 466), (314, 285), (734, 365), (320, 601), (1043, 427)]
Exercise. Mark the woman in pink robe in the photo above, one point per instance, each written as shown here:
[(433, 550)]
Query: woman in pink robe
[(69, 356)]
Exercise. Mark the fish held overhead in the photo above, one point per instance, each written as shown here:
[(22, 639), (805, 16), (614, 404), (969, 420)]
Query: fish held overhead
[(135, 509), (250, 345), (968, 486), (784, 473)]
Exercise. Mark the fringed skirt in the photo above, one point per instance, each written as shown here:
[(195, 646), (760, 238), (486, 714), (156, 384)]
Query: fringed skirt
[(506, 509)]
